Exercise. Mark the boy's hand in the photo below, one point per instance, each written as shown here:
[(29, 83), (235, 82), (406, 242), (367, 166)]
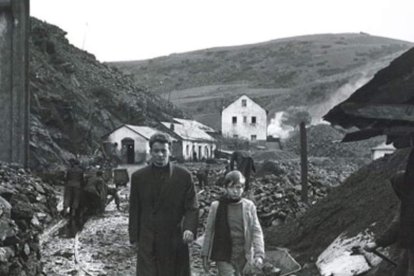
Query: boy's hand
[(188, 236), (206, 264)]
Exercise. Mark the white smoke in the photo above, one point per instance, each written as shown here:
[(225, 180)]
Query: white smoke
[(343, 93), (276, 128)]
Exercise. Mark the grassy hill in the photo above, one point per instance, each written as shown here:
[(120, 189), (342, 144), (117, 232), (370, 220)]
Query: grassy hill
[(316, 71)]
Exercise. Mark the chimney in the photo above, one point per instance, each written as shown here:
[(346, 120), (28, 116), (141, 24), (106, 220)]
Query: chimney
[(172, 126)]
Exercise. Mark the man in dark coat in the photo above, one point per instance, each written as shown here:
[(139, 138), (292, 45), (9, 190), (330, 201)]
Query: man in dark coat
[(163, 213), (245, 165), (72, 195), (401, 229)]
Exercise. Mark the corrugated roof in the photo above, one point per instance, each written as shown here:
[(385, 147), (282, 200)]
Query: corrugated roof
[(192, 123), (189, 132)]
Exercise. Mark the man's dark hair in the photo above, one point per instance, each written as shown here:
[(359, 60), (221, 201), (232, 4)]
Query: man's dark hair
[(160, 138)]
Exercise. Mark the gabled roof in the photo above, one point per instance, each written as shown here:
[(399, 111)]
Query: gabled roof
[(192, 123), (144, 131), (383, 106), (244, 95), (188, 132)]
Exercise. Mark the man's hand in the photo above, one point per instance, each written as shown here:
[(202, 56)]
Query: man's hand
[(206, 264), (370, 247), (134, 246), (258, 262), (188, 236)]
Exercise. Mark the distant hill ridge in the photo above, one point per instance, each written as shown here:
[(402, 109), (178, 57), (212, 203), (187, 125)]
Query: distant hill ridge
[(311, 71)]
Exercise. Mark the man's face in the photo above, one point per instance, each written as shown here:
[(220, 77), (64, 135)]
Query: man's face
[(160, 153)]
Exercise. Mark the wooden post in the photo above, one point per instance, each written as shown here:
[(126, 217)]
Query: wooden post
[(14, 82), (304, 162)]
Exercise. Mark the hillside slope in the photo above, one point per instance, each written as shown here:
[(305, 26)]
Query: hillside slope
[(75, 100), (317, 71)]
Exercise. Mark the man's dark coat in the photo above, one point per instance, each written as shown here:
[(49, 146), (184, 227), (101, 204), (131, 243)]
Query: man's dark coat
[(163, 204), (245, 165)]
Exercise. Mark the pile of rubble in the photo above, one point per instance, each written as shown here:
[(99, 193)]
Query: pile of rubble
[(276, 188), (325, 141), (27, 206)]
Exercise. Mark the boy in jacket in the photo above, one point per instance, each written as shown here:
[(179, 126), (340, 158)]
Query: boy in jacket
[(233, 235)]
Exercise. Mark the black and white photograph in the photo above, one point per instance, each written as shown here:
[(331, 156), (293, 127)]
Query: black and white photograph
[(197, 138)]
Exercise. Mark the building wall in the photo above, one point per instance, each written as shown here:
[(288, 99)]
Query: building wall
[(207, 150), (244, 129), (141, 144)]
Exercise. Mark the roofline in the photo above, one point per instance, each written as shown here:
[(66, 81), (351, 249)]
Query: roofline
[(127, 126), (239, 98), (138, 132), (184, 139), (107, 134)]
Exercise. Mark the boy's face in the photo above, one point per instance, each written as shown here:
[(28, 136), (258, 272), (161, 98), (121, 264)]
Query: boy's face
[(235, 191)]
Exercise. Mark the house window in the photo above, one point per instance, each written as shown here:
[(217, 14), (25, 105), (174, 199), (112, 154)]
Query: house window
[(253, 119), (187, 150), (244, 103), (234, 120), (253, 137), (244, 119)]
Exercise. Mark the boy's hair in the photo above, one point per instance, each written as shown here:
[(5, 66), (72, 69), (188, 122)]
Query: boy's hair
[(232, 178), (160, 138)]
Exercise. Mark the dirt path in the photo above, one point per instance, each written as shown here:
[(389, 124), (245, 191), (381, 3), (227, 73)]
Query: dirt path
[(101, 248)]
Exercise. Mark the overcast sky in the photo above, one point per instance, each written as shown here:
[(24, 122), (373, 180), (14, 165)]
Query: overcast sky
[(143, 29)]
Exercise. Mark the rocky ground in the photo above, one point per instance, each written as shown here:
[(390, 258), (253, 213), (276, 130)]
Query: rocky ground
[(102, 247)]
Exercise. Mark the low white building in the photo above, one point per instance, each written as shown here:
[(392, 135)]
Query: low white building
[(132, 142), (193, 143), (244, 119)]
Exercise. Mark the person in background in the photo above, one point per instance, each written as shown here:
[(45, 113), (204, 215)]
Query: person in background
[(163, 213), (72, 194), (401, 228), (244, 163), (202, 176), (233, 236)]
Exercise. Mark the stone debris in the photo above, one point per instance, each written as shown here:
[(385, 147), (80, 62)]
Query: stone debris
[(27, 206), (276, 188)]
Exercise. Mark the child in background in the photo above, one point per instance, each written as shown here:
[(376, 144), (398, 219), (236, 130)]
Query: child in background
[(233, 235)]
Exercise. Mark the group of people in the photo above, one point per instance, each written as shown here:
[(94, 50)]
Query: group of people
[(85, 194), (163, 220)]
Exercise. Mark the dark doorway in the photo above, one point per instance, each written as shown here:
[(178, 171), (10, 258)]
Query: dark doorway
[(200, 153), (129, 147)]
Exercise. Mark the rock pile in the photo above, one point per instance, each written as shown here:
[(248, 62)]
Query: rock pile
[(276, 188), (325, 141), (27, 205)]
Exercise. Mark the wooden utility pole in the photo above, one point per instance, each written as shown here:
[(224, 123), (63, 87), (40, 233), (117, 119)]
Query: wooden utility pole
[(14, 81), (304, 161)]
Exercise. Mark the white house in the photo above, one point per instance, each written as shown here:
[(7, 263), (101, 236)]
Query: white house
[(244, 119), (193, 143), (381, 150), (132, 142)]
